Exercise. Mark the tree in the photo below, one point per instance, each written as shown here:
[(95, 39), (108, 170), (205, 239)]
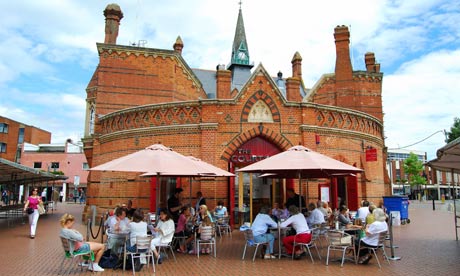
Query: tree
[(414, 168), (454, 132)]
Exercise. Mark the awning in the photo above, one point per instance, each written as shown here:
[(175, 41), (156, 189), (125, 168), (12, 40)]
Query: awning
[(11, 172), (448, 157)]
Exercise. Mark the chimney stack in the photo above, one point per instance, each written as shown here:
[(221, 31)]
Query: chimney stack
[(179, 45), (223, 82), (297, 66), (343, 69), (113, 15), (371, 66)]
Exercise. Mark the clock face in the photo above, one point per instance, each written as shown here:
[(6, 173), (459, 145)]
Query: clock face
[(242, 56)]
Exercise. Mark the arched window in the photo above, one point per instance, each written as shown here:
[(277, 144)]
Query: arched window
[(92, 117)]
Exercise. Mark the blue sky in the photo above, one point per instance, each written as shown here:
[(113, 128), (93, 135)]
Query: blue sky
[(48, 52)]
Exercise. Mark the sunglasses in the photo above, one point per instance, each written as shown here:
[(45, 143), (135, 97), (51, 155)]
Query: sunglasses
[(35, 190)]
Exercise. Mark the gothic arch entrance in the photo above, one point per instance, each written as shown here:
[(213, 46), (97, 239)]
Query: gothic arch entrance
[(265, 191)]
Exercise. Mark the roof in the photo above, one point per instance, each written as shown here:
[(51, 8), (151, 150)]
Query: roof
[(208, 79), (14, 172), (448, 157)]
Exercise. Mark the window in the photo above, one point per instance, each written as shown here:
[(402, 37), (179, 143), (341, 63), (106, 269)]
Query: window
[(85, 166), (37, 165), (3, 128), (54, 165), (2, 147), (92, 117), (21, 136)]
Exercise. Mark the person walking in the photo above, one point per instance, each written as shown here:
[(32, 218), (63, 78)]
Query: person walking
[(32, 202)]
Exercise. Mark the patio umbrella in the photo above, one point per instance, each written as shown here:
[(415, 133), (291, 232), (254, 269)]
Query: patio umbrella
[(156, 160), (301, 162), (214, 171)]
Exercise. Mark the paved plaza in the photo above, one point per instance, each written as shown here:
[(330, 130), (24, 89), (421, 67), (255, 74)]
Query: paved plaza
[(427, 246)]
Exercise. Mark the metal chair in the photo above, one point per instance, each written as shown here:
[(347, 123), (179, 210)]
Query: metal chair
[(311, 244), (223, 225), (207, 237), (68, 254), (249, 237), (380, 245), (340, 241), (164, 247), (143, 249)]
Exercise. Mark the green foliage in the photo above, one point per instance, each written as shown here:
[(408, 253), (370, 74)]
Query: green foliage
[(414, 168), (454, 132)]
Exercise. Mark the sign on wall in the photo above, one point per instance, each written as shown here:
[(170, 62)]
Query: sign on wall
[(371, 154)]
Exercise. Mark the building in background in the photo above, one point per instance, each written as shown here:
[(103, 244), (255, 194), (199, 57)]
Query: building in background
[(231, 117), (439, 183), (13, 134), (60, 158)]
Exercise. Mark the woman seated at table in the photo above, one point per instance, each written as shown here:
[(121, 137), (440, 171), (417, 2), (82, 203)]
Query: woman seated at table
[(220, 210), (119, 222), (298, 222), (279, 214), (138, 227), (184, 228), (163, 233), (371, 239), (77, 244), (259, 230), (344, 219), (370, 218)]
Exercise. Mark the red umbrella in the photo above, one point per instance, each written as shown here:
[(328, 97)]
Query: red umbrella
[(301, 162)]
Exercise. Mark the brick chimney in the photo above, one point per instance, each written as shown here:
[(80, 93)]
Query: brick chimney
[(179, 45), (113, 15), (371, 66), (293, 90), (343, 69), (297, 66), (223, 82)]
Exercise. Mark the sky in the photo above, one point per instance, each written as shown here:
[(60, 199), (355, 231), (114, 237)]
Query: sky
[(48, 53)]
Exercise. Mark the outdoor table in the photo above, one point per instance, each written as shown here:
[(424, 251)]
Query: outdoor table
[(117, 238), (279, 229)]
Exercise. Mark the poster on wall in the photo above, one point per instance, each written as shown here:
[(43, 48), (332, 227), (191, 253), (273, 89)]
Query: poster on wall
[(324, 193)]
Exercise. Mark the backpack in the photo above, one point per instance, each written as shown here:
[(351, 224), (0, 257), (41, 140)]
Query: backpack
[(108, 260)]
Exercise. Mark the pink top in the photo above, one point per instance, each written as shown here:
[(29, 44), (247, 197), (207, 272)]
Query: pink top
[(33, 202)]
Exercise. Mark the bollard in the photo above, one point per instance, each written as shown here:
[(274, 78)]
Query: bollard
[(434, 208), (392, 247)]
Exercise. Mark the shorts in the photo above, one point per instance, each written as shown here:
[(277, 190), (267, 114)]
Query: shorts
[(84, 248)]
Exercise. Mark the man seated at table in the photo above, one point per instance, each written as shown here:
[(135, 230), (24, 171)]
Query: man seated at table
[(363, 211), (259, 230), (298, 222), (118, 224), (316, 217)]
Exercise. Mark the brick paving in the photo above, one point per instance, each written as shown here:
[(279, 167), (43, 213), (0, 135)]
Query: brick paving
[(427, 246)]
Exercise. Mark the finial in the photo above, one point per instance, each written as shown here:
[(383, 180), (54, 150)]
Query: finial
[(239, 3)]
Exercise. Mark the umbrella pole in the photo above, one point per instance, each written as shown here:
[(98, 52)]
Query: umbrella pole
[(300, 193), (190, 185), (157, 195)]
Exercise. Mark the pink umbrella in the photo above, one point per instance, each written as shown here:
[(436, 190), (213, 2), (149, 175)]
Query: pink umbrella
[(156, 160), (301, 162)]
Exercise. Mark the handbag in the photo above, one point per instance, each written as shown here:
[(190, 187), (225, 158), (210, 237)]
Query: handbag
[(30, 210), (41, 209)]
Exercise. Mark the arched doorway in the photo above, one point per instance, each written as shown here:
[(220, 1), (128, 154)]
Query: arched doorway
[(265, 191)]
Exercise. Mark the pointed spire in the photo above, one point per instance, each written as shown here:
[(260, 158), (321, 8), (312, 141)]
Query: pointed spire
[(178, 45), (240, 50)]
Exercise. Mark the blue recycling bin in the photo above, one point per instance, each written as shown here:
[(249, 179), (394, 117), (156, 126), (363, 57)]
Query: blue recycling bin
[(398, 203)]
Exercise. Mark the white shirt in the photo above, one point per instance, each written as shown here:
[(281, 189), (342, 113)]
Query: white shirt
[(137, 229), (124, 224), (315, 217), (167, 230), (298, 223), (374, 229), (362, 213)]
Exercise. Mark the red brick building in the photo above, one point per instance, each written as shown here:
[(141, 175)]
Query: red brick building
[(230, 117), (13, 134)]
